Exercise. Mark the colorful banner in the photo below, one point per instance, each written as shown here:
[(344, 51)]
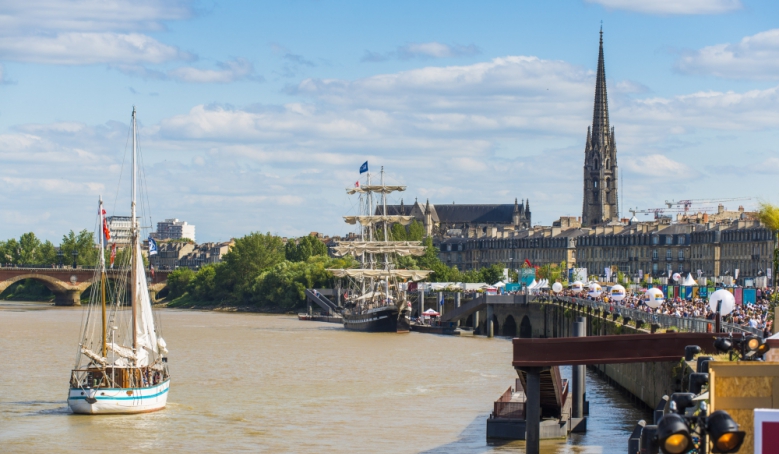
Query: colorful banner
[(750, 296), (696, 292), (683, 293), (676, 291), (527, 276), (739, 296)]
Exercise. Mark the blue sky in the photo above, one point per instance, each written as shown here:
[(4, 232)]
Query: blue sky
[(256, 115)]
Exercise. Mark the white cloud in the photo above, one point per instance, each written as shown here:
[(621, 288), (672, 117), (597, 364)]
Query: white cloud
[(36, 16), (672, 6), (754, 57), (482, 133), (86, 32), (229, 71), (657, 165), (78, 48), (423, 51)]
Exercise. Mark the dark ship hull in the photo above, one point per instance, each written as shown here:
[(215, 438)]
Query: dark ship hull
[(379, 320)]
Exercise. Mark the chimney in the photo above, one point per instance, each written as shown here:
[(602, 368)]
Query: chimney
[(705, 218)]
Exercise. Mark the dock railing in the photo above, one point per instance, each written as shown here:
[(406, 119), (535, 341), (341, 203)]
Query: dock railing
[(506, 407)]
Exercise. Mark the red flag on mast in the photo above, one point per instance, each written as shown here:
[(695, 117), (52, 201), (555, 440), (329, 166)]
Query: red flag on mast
[(113, 254)]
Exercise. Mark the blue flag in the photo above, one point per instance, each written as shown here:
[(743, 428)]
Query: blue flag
[(441, 303), (364, 167), (152, 246)]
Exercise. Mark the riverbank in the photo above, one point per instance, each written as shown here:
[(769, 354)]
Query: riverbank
[(187, 302)]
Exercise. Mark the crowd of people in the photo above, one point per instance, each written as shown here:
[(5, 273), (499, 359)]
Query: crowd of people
[(754, 316)]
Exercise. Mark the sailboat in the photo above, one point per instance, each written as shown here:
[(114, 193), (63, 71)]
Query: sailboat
[(121, 367), (377, 299)]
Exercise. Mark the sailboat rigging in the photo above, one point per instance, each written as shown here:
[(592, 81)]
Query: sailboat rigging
[(121, 378)]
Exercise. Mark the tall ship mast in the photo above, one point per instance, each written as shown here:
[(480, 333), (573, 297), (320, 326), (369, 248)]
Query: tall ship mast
[(377, 295), (121, 367)]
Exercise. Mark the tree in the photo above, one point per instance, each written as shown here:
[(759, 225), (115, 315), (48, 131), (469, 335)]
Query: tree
[(248, 258), (416, 231), (203, 285), (84, 244), (769, 215), (492, 274), (28, 249), (303, 248), (430, 261), (398, 232), (179, 280)]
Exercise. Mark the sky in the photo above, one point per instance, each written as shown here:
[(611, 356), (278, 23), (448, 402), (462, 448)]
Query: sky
[(256, 115)]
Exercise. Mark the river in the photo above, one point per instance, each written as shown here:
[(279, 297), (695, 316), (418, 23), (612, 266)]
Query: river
[(270, 383)]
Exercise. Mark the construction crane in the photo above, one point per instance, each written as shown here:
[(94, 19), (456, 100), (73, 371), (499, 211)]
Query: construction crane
[(686, 204), (658, 212)]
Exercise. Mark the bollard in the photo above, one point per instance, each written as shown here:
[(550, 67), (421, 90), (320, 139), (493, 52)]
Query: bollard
[(490, 327), (457, 304)]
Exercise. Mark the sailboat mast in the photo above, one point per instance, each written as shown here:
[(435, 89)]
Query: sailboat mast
[(102, 275), (134, 245), (386, 227)]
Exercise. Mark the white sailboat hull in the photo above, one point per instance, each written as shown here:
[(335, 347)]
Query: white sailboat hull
[(118, 400)]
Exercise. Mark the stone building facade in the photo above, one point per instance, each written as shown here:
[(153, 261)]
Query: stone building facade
[(637, 250)]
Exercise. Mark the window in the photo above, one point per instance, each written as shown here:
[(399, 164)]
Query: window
[(681, 254), (654, 268), (669, 239), (655, 239), (680, 240), (669, 267), (654, 254), (668, 254)]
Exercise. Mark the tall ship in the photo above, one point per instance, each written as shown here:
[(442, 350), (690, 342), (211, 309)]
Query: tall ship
[(121, 364), (377, 292)]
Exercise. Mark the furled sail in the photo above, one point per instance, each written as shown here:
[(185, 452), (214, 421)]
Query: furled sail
[(93, 356), (402, 248), (414, 275), (124, 352), (147, 336), (374, 219), (380, 188)]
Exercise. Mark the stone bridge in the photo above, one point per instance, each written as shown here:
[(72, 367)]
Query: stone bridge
[(67, 284)]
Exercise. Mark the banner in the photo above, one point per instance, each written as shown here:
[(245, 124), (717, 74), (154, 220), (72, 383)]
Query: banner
[(607, 272), (739, 296), (527, 276), (750, 296), (683, 292), (579, 274)]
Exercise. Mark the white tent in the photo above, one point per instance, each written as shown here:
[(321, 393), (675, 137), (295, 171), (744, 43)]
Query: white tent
[(689, 281), (543, 284), (532, 285), (500, 284), (430, 313)]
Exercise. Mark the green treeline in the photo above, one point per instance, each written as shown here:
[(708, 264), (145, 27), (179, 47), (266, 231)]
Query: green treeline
[(261, 271), (29, 250)]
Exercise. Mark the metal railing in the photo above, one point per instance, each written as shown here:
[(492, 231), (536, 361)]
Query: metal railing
[(504, 407), (683, 324)]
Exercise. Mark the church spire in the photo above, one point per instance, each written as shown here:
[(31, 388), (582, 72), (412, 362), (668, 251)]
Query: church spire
[(600, 114)]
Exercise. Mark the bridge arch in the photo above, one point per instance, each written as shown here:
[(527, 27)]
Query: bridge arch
[(525, 328), (52, 283), (510, 326)]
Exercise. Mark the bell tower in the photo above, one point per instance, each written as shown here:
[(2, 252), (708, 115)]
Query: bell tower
[(600, 202)]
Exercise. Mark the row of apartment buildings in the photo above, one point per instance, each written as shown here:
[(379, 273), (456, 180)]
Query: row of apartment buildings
[(175, 254), (717, 249)]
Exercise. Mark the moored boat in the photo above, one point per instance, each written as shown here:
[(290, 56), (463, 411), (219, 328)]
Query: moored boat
[(121, 367), (377, 300)]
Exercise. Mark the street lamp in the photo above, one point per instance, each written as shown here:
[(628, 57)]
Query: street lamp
[(75, 256), (60, 254)]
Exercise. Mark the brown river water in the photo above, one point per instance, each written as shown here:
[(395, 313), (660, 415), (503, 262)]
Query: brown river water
[(270, 383)]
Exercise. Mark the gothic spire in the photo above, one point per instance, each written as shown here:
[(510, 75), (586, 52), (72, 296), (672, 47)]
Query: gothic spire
[(600, 114)]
